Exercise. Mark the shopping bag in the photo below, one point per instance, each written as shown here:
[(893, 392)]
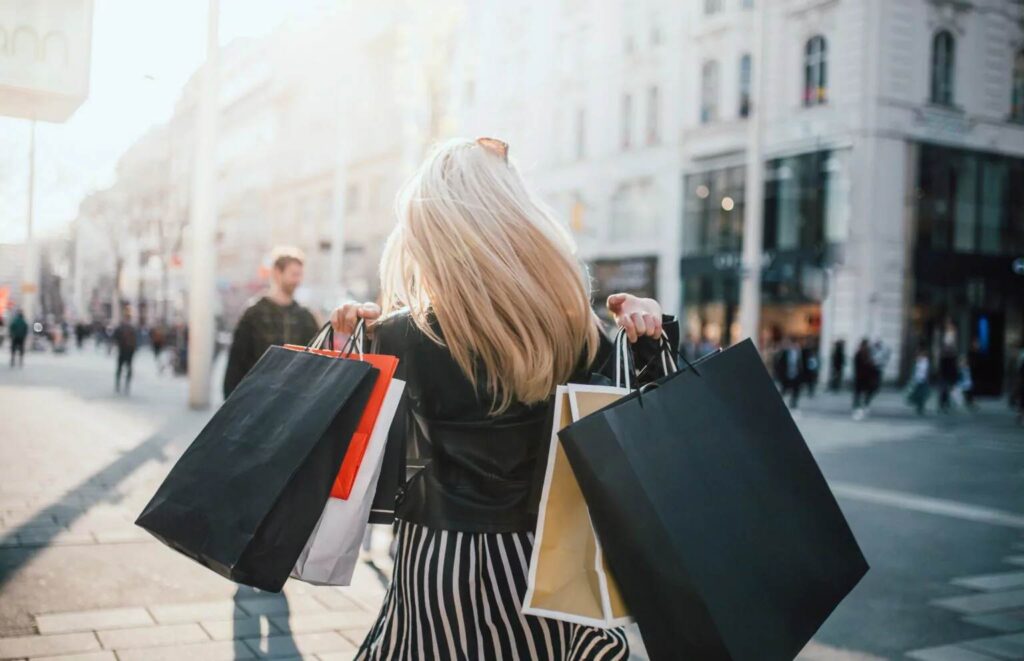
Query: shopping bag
[(245, 496), (331, 554), (386, 365), (568, 579), (721, 531)]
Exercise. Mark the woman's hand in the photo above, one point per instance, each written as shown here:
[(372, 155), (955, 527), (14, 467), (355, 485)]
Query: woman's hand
[(640, 317), (345, 318)]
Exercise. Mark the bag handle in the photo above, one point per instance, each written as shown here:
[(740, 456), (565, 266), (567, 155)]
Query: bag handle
[(324, 338), (355, 341)]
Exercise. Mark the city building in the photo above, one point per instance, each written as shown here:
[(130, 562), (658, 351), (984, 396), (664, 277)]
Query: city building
[(892, 144)]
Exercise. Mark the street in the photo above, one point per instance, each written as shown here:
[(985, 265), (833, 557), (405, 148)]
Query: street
[(936, 503)]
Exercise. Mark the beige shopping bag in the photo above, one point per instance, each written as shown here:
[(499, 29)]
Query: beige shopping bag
[(568, 578)]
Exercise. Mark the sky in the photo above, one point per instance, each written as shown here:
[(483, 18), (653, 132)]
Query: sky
[(143, 52)]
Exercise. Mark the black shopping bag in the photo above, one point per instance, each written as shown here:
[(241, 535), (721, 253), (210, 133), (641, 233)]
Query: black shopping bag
[(718, 526), (246, 495)]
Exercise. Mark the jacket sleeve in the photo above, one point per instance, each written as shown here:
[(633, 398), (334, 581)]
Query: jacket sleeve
[(647, 353), (240, 359)]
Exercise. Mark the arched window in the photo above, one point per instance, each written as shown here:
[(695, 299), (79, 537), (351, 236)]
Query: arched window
[(943, 59), (1017, 107), (745, 85), (815, 71), (709, 92)]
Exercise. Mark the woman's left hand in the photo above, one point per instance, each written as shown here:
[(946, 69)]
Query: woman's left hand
[(640, 317)]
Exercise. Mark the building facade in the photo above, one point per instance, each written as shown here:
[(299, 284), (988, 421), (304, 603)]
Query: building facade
[(892, 143)]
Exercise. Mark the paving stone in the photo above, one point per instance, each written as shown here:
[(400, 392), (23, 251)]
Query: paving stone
[(124, 536), (34, 537), (61, 643), (87, 656), (337, 656), (284, 645), (356, 634), (1000, 581), (1014, 559), (1010, 646), (983, 603), (196, 611), (949, 653), (278, 605), (213, 650), (306, 622), (154, 636), (1006, 622), (337, 601), (248, 627), (111, 618)]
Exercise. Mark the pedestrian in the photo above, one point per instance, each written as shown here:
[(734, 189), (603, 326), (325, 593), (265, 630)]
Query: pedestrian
[(1017, 392), (156, 340), (864, 379), (810, 366), (949, 374), (81, 331), (273, 319), (487, 309), (19, 332), (789, 370), (126, 339), (965, 385), (919, 388), (838, 365)]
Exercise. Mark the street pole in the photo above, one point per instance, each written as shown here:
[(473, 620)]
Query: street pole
[(30, 276), (753, 210), (203, 225)]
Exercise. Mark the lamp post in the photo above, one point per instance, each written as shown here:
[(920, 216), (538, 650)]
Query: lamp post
[(203, 225)]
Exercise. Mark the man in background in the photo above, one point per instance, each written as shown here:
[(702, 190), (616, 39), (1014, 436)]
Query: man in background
[(274, 319), (18, 331), (126, 339)]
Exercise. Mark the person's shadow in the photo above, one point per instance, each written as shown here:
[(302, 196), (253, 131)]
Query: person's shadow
[(253, 612)]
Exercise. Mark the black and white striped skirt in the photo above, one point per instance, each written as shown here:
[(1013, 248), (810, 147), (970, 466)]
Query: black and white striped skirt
[(458, 595)]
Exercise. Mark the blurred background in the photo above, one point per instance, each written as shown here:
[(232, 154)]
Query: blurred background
[(809, 173)]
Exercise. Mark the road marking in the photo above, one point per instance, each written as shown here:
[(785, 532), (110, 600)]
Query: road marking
[(913, 502)]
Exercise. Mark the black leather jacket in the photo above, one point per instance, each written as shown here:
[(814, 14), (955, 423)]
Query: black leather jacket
[(470, 472)]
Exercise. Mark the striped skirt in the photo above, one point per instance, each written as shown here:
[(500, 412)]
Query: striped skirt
[(458, 595)]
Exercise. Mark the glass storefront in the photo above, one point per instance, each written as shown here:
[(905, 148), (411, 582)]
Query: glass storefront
[(969, 216), (804, 213)]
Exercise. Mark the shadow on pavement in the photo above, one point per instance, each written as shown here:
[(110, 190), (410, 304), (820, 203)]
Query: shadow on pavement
[(278, 644)]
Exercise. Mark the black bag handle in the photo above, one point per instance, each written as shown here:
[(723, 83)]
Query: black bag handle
[(355, 340), (324, 338)]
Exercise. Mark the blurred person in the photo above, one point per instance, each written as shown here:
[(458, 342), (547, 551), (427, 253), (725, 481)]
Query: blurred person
[(965, 384), (19, 332), (880, 355), (789, 370), (865, 376), (838, 361), (487, 307), (811, 365), (1018, 389), (126, 338), (949, 374), (157, 339), (81, 332), (274, 319), (919, 388)]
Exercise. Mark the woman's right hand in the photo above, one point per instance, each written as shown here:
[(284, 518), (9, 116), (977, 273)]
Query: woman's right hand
[(345, 318)]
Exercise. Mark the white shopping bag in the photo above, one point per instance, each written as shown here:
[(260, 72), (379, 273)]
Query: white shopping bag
[(331, 554)]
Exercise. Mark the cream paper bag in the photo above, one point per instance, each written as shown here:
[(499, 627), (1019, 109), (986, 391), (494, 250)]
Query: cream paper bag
[(332, 551), (568, 578)]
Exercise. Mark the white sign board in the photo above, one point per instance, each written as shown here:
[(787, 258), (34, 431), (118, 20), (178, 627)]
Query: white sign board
[(45, 47)]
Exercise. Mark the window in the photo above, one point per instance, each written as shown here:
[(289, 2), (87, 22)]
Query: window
[(745, 86), (709, 92), (652, 116), (815, 71), (943, 58), (1017, 107), (712, 7), (627, 120), (581, 134), (352, 197)]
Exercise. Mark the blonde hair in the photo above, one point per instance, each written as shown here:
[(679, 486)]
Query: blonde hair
[(474, 247)]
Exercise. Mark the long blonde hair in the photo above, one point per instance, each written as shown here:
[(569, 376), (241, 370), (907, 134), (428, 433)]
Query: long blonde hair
[(474, 247)]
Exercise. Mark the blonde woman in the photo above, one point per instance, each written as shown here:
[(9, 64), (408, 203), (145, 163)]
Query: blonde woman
[(488, 309)]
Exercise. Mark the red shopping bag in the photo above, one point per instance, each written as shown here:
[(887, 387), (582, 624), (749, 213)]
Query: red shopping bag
[(357, 447)]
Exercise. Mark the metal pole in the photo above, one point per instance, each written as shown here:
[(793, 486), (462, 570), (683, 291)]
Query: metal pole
[(753, 214), (203, 225), (30, 275)]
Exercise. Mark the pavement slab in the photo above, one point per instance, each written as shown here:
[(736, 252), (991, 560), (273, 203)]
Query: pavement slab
[(984, 603), (155, 636), (48, 645), (111, 618), (272, 647), (214, 650)]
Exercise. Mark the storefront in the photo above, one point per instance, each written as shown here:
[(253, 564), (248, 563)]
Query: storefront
[(801, 223), (969, 236), (635, 275)]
